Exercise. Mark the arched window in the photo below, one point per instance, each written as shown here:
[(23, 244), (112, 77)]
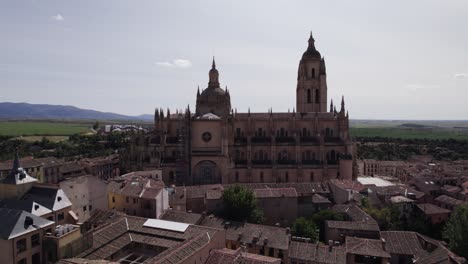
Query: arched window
[(312, 176), (287, 177), (309, 97), (261, 176), (171, 176), (313, 72), (317, 96)]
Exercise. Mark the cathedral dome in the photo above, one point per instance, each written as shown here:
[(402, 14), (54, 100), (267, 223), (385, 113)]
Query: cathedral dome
[(213, 99), (311, 52), (212, 93)]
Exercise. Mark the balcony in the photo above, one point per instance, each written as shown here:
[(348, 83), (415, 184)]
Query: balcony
[(172, 140), (260, 140), (311, 162), (286, 162), (240, 140), (332, 140), (240, 163), (310, 140), (285, 140), (168, 160), (261, 163)]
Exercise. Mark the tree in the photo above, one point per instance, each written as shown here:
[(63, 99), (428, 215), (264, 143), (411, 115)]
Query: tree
[(324, 215), (240, 205), (456, 231), (96, 125), (304, 227)]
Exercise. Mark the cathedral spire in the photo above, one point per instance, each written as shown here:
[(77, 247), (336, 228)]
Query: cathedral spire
[(16, 163), (342, 105), (331, 105), (214, 76), (198, 91), (311, 41)]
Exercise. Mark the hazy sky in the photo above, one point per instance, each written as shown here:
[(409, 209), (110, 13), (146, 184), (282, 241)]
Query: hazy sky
[(390, 59)]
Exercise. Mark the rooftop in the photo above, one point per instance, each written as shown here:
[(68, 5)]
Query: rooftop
[(141, 187), (430, 209), (318, 253), (17, 222), (40, 200), (128, 230), (222, 256), (449, 200), (365, 247), (182, 217), (274, 237), (374, 181)]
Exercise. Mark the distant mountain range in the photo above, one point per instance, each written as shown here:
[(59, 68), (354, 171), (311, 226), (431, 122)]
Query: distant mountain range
[(45, 111)]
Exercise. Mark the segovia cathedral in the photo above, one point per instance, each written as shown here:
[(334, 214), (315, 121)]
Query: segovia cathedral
[(215, 144)]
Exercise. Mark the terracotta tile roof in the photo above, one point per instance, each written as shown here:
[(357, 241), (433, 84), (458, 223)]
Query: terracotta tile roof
[(182, 251), (402, 243), (449, 200), (451, 189), (348, 185), (365, 247), (416, 245), (316, 253), (430, 209), (354, 213), (136, 187), (319, 199), (302, 189), (182, 217), (228, 256), (275, 192), (112, 238), (275, 237), (353, 225)]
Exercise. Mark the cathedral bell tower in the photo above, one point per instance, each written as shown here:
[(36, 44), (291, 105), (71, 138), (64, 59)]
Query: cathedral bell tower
[(311, 92), (213, 99)]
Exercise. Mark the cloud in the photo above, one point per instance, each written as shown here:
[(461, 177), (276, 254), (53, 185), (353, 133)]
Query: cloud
[(461, 75), (177, 63), (57, 17), (416, 87)]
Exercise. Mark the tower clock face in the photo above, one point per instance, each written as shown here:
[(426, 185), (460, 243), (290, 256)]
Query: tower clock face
[(206, 136)]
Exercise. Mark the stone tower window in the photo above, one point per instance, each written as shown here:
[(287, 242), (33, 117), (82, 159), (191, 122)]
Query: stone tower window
[(317, 96), (313, 72), (309, 97), (261, 176)]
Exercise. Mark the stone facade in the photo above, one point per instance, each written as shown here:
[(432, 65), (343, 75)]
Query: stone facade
[(215, 144)]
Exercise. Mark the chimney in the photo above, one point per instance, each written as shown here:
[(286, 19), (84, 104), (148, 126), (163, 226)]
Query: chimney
[(255, 238), (330, 245), (28, 221)]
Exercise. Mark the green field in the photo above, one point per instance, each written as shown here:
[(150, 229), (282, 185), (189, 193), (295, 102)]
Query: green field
[(32, 128), (404, 133)]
